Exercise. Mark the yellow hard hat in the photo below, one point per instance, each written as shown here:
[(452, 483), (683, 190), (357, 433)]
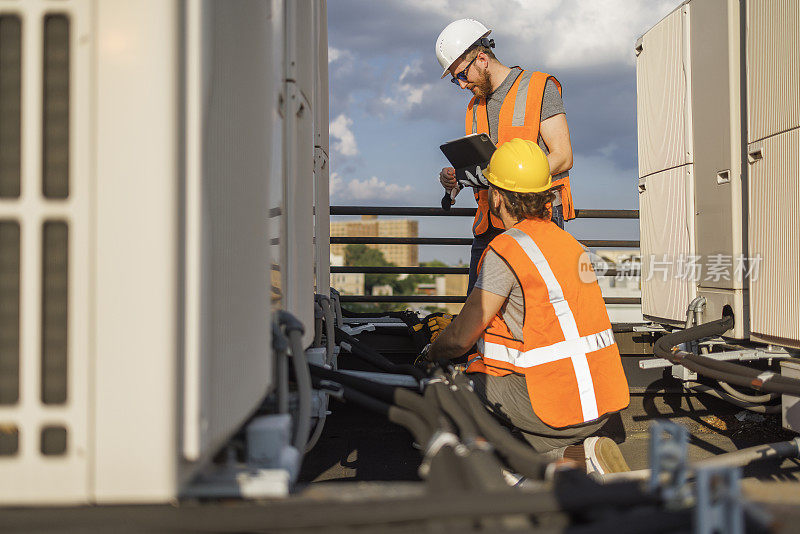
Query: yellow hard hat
[(519, 165)]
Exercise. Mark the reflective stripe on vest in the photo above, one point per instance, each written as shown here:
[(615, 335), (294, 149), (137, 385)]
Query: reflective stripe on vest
[(550, 353)]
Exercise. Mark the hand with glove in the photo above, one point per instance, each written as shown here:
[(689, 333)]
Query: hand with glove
[(435, 323)]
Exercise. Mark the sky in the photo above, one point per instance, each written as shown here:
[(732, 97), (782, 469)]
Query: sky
[(389, 111)]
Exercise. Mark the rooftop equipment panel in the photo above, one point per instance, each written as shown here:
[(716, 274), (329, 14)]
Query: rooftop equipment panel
[(663, 80), (773, 67), (662, 86), (773, 81), (667, 285)]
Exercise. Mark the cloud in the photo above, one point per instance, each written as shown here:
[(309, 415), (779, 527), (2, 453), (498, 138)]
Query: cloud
[(344, 140), (549, 33), (337, 54), (368, 190)]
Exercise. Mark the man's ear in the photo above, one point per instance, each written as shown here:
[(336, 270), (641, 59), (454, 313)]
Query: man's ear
[(497, 200)]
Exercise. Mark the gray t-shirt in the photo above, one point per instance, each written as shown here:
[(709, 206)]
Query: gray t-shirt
[(497, 277), (552, 105)]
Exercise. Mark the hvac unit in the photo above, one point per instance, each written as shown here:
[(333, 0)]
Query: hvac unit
[(773, 118), (663, 81), (690, 132), (135, 146)]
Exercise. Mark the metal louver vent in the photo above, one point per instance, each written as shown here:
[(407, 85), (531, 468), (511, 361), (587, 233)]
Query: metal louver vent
[(9, 311), (55, 255), (55, 101), (10, 105)]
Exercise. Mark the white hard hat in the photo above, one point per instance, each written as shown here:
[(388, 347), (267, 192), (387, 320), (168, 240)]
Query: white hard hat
[(456, 38)]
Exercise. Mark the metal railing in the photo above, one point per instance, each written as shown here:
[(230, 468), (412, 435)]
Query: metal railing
[(453, 212)]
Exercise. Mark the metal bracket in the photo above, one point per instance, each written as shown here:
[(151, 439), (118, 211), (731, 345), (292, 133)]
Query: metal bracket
[(718, 506), (355, 330), (668, 461)]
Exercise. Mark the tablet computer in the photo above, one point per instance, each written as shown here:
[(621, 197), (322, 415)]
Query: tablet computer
[(469, 151)]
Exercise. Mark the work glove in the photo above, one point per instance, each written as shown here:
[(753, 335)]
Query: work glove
[(435, 323)]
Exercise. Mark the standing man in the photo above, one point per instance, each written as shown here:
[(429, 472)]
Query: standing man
[(546, 361), (507, 103)]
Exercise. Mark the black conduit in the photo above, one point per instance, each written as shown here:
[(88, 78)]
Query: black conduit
[(370, 355), (667, 347), (400, 416), (521, 457), (389, 394)]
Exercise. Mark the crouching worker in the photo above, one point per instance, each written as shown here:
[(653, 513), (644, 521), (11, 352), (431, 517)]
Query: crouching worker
[(546, 360)]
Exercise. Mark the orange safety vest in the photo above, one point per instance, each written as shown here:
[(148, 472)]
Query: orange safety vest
[(520, 116), (567, 353)]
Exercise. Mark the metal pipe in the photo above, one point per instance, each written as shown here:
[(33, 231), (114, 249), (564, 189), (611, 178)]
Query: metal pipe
[(463, 241), (452, 299), (740, 458), (466, 212)]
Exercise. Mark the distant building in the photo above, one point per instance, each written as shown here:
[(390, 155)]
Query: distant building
[(455, 284), (346, 283), (371, 226), (627, 283)]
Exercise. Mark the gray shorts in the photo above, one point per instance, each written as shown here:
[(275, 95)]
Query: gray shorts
[(507, 398)]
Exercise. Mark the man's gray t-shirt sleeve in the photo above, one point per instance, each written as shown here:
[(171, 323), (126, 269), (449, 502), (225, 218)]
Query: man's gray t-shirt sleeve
[(495, 276), (552, 104)]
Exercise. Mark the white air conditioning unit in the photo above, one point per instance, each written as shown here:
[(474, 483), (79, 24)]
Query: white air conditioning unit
[(691, 154), (137, 142)]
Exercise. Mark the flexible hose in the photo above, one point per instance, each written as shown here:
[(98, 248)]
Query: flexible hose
[(520, 457), (467, 429), (281, 345), (317, 433), (388, 394), (756, 399), (304, 389), (753, 407), (400, 416), (666, 347)]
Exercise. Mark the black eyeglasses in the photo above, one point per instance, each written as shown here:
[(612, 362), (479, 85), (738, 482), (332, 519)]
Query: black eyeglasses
[(463, 74)]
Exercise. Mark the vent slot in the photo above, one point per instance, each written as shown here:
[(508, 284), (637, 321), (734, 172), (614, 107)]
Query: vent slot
[(9, 311), (10, 105), (53, 441), (54, 312), (9, 440), (55, 112)]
